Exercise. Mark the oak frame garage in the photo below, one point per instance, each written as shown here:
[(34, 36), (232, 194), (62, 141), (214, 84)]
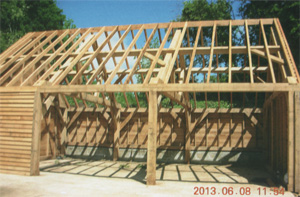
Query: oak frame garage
[(59, 76)]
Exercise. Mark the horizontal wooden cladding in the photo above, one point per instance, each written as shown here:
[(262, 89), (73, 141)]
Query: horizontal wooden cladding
[(20, 139), (16, 119), (18, 164), (216, 130), (15, 143), (144, 146), (15, 125), (11, 101), (9, 171), (17, 114), (51, 136), (12, 168), (276, 125), (14, 97), (16, 151), (10, 159), (12, 109), (19, 94), (13, 105), (19, 122), (11, 134), (15, 147), (14, 155)]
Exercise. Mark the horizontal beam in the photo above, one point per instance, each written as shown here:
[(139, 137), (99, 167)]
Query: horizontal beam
[(151, 57), (263, 54), (182, 51), (178, 70), (168, 110), (195, 87)]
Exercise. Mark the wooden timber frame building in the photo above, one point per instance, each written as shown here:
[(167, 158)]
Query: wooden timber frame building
[(60, 88)]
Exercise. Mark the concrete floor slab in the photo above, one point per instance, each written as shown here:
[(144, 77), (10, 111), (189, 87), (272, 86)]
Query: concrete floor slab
[(197, 175), (92, 171), (62, 184)]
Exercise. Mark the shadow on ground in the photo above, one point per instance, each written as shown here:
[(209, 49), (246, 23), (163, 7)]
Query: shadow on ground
[(164, 172)]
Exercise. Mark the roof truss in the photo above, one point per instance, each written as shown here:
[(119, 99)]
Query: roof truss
[(187, 53)]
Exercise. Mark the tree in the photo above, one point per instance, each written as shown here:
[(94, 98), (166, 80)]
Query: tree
[(196, 10), (288, 13), (21, 16)]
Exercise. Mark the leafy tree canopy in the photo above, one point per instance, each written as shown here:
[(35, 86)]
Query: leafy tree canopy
[(195, 10), (21, 16), (288, 13)]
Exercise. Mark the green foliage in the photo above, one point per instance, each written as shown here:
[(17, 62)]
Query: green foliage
[(196, 10), (21, 16), (288, 14), (145, 62), (124, 166), (130, 98)]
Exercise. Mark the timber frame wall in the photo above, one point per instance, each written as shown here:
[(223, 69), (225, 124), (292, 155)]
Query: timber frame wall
[(82, 69)]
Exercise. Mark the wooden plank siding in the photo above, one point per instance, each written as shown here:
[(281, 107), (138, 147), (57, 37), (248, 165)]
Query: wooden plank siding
[(218, 130), (16, 132), (51, 135)]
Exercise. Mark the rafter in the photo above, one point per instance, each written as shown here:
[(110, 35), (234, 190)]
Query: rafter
[(100, 67), (149, 73), (164, 74), (16, 66), (211, 52), (63, 57), (267, 52), (89, 61), (141, 54), (249, 52), (69, 67)]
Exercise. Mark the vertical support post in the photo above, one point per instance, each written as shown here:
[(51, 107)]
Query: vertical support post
[(291, 151), (187, 154), (272, 135), (297, 141), (151, 146), (117, 127), (265, 133), (36, 135), (64, 133)]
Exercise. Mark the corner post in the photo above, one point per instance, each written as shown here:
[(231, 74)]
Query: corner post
[(36, 134), (297, 141), (291, 135), (151, 145)]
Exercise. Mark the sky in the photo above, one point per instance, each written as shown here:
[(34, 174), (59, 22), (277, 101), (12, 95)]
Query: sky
[(119, 12), (94, 13), (109, 13)]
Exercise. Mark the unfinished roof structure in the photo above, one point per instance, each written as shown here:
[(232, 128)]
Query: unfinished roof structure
[(197, 73)]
